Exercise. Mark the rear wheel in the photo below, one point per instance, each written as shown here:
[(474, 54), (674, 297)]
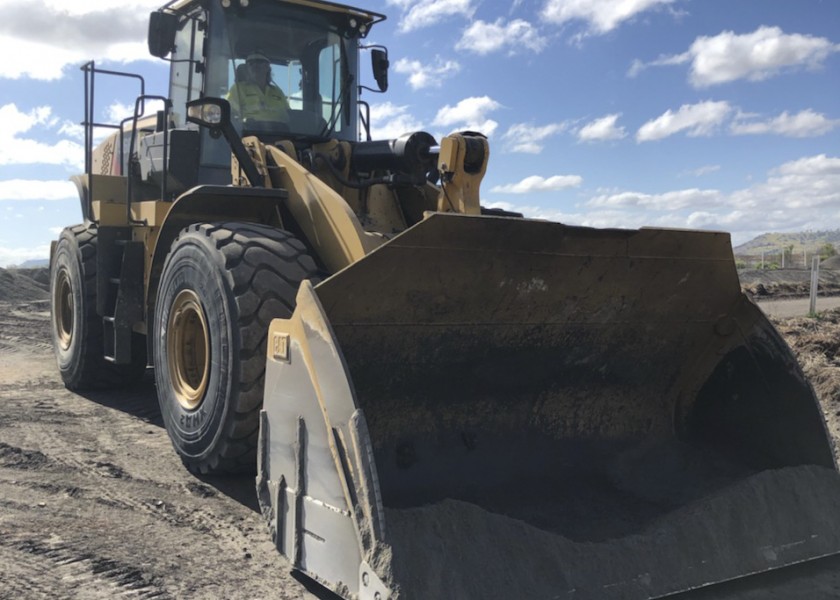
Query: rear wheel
[(75, 326), (221, 286)]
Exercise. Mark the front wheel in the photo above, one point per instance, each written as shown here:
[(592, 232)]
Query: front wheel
[(221, 286)]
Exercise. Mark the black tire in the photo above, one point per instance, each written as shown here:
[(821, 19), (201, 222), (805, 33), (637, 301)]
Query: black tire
[(75, 327), (221, 285)]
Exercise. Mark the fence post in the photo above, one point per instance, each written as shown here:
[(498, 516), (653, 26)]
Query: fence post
[(815, 277)]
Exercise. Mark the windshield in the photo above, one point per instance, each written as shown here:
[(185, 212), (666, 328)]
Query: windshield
[(285, 70)]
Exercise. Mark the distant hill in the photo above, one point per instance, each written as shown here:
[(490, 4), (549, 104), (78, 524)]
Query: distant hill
[(772, 243), (34, 263)]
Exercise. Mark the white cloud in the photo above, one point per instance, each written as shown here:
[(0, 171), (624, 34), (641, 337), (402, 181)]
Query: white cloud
[(755, 56), (16, 256), (529, 139), (424, 13), (800, 194), (483, 38), (663, 61), (535, 183), (84, 7), (28, 189), (44, 37), (697, 119), (803, 184), (603, 129), (117, 111), (469, 114), (73, 130), (427, 75), (601, 16), (806, 123), (389, 121), (811, 166), (700, 171), (797, 195), (16, 150), (675, 200)]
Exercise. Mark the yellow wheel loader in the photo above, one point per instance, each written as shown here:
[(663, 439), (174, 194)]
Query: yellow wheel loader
[(439, 400)]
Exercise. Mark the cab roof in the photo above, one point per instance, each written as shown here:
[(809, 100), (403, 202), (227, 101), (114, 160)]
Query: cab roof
[(365, 15)]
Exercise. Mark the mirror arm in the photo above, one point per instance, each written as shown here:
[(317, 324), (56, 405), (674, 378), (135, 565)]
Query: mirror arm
[(241, 154), (226, 128)]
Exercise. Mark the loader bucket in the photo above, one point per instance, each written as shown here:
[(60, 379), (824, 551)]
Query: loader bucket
[(489, 407)]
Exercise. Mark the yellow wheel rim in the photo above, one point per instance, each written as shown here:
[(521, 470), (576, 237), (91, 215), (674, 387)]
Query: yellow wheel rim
[(63, 309), (188, 350)]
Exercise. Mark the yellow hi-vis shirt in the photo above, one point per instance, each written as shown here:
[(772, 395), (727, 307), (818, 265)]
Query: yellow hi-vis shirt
[(251, 102)]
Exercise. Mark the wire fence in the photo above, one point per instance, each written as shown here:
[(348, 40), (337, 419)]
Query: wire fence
[(777, 260)]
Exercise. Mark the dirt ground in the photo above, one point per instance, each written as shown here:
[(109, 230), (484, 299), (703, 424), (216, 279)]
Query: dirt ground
[(95, 504), (816, 344)]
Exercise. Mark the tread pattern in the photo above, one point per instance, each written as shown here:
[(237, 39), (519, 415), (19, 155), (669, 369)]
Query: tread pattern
[(263, 267)]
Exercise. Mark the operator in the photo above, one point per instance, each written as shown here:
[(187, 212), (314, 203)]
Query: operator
[(257, 98)]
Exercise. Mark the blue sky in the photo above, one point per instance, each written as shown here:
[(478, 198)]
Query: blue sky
[(712, 114)]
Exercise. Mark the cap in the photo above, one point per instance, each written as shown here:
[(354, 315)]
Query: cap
[(256, 56)]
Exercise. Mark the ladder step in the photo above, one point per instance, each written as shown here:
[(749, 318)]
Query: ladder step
[(108, 319), (114, 280)]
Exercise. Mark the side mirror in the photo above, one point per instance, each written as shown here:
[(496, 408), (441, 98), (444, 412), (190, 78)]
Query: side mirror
[(379, 60), (213, 113), (162, 29)]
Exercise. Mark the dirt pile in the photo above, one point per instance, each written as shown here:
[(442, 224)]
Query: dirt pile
[(832, 263), (468, 552), (17, 285), (816, 344), (788, 283), (533, 562)]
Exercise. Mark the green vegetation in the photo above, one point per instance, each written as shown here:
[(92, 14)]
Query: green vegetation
[(827, 250)]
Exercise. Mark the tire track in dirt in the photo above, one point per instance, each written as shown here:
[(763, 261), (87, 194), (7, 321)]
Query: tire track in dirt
[(24, 324), (49, 567), (95, 504), (182, 532), (103, 476)]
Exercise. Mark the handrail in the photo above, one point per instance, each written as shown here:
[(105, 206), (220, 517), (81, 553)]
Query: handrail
[(90, 123), (139, 103)]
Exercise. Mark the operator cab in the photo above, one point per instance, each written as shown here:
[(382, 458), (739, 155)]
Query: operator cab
[(312, 50), (311, 62)]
